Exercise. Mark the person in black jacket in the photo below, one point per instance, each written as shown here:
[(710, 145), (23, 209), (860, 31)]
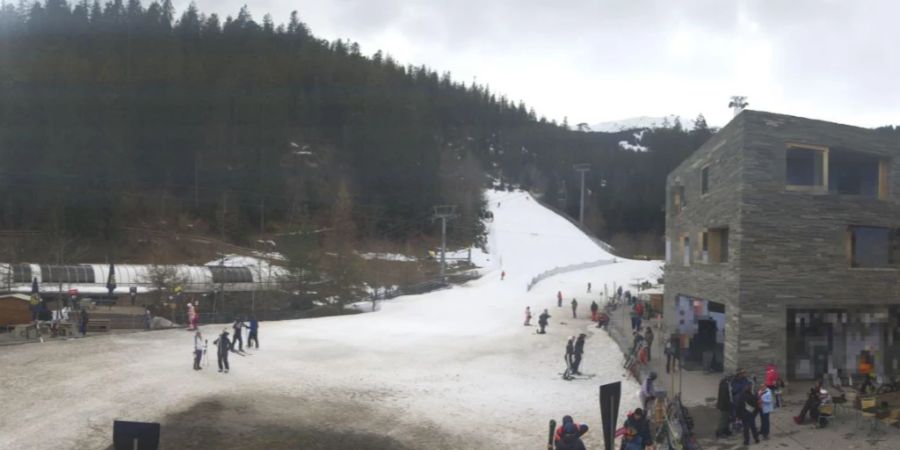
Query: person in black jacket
[(574, 308), (568, 435), (543, 319), (725, 406), (238, 327), (637, 431), (748, 407), (579, 350), (570, 357), (223, 345)]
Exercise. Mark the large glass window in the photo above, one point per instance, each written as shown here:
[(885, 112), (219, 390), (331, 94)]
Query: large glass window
[(854, 173)]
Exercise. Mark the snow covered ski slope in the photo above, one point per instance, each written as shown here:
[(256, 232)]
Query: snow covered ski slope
[(453, 369)]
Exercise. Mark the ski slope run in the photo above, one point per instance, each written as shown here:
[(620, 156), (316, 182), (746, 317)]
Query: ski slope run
[(445, 370)]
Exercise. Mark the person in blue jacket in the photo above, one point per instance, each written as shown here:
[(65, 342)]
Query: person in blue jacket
[(253, 337)]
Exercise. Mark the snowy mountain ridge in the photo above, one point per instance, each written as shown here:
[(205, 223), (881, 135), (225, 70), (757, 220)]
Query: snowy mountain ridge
[(667, 121)]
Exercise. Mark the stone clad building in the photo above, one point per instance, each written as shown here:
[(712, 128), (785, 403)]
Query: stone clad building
[(783, 246)]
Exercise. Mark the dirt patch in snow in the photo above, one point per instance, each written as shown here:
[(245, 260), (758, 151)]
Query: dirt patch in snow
[(289, 423)]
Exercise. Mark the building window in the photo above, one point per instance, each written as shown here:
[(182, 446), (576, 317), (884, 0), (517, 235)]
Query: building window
[(704, 180), (678, 200), (853, 173), (718, 245), (686, 250), (869, 247), (806, 167)]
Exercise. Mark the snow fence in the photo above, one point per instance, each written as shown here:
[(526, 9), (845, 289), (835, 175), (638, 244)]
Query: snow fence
[(566, 269)]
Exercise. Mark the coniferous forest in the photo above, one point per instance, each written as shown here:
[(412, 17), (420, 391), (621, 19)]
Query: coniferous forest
[(125, 114)]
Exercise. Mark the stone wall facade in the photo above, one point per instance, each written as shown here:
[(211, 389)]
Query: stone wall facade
[(787, 249)]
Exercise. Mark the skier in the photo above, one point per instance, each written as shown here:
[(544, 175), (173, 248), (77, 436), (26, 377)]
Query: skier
[(570, 358), (594, 308), (574, 307), (502, 275), (84, 322), (543, 320), (559, 299), (589, 287), (527, 316), (223, 346), (198, 349), (238, 326), (252, 337), (579, 350), (568, 435)]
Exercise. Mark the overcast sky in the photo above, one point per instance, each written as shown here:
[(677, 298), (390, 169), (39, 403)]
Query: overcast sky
[(602, 60)]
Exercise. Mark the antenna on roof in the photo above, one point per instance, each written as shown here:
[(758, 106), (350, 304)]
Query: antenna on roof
[(738, 103)]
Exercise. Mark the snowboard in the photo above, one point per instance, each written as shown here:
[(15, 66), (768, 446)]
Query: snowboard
[(550, 435)]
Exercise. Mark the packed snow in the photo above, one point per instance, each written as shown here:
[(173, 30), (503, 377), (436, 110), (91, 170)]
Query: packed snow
[(450, 369)]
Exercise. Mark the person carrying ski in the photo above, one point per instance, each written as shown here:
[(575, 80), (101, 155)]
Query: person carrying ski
[(238, 326), (253, 337), (559, 299), (594, 308), (198, 349), (574, 308), (568, 435), (570, 357), (223, 346), (527, 316), (579, 350), (637, 431), (543, 320)]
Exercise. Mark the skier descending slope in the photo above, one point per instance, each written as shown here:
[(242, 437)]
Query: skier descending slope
[(543, 320), (224, 345)]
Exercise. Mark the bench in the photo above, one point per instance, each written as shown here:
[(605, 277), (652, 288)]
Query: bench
[(98, 325)]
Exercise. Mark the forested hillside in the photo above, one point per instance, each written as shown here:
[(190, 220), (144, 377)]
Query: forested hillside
[(121, 116)]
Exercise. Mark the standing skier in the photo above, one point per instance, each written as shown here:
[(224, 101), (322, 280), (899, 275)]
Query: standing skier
[(594, 308), (502, 275), (254, 326), (198, 349), (570, 358), (559, 299), (223, 346), (579, 350), (527, 316), (543, 320), (238, 326), (574, 308)]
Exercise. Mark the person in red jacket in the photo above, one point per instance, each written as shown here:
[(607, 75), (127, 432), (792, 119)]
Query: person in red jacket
[(568, 435)]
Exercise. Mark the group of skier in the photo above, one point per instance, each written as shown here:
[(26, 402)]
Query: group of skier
[(224, 344)]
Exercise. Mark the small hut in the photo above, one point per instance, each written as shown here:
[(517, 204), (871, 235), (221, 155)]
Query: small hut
[(14, 310)]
